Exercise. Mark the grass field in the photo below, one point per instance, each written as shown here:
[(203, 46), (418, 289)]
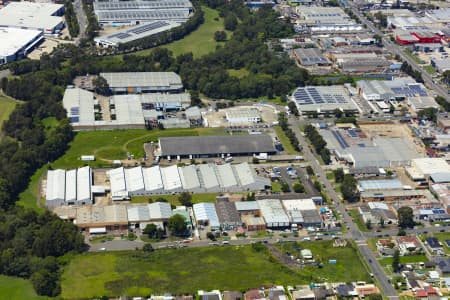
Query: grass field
[(348, 266), (429, 69), (173, 199), (241, 73), (110, 145), (284, 141), (199, 42), (14, 288), (173, 270), (387, 261), (7, 105), (29, 197), (357, 219)]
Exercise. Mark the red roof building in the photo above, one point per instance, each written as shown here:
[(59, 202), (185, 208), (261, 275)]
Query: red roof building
[(426, 37), (406, 39)]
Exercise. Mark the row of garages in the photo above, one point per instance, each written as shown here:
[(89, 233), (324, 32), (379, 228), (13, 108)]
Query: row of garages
[(205, 178)]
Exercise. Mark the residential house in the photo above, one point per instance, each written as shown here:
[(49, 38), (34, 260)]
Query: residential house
[(426, 292), (232, 295), (346, 290), (277, 293), (213, 295), (434, 245), (386, 247), (443, 264), (366, 289), (303, 294), (254, 294), (409, 245)]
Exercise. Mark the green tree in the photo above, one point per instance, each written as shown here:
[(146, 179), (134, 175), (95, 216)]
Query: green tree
[(230, 22), (185, 199), (369, 224), (338, 175), (309, 170), (401, 232), (220, 36), (298, 187), (148, 247), (405, 217), (382, 223), (396, 261), (46, 283), (177, 225), (101, 86), (153, 231), (285, 187), (348, 188), (210, 236)]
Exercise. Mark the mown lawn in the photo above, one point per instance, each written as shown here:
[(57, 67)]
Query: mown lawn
[(14, 288), (410, 259), (285, 141), (173, 199), (110, 145), (176, 271), (348, 266), (7, 105), (30, 196), (201, 41)]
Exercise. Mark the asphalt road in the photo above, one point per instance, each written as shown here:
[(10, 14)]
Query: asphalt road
[(355, 234), (396, 49), (82, 21)]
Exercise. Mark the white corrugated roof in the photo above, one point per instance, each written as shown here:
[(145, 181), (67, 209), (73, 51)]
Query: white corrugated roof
[(71, 185), (79, 104), (137, 213), (208, 176), (159, 210), (206, 212), (170, 177), (430, 165), (246, 205), (152, 178), (128, 110), (189, 177), (225, 175), (299, 204), (134, 179), (245, 174), (84, 180), (273, 211), (117, 180), (56, 183), (143, 79)]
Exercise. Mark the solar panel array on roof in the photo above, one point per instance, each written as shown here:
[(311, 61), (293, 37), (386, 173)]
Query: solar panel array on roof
[(310, 95), (149, 27), (126, 15)]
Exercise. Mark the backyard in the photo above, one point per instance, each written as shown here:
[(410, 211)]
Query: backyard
[(443, 237), (348, 266), (176, 271)]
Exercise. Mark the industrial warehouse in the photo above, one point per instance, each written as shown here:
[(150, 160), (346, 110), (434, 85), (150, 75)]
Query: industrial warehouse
[(143, 82), (215, 146), (142, 12), (325, 19), (323, 99), (45, 17), (221, 215), (76, 186), (16, 43)]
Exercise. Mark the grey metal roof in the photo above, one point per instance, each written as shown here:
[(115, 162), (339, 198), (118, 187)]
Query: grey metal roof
[(202, 145), (227, 213), (310, 56), (132, 5), (440, 177), (380, 184), (142, 79)]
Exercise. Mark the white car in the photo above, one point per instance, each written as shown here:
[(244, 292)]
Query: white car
[(306, 238), (102, 249)]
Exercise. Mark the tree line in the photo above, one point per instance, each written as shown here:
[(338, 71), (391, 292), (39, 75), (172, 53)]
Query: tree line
[(318, 143), (283, 122), (71, 19)]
